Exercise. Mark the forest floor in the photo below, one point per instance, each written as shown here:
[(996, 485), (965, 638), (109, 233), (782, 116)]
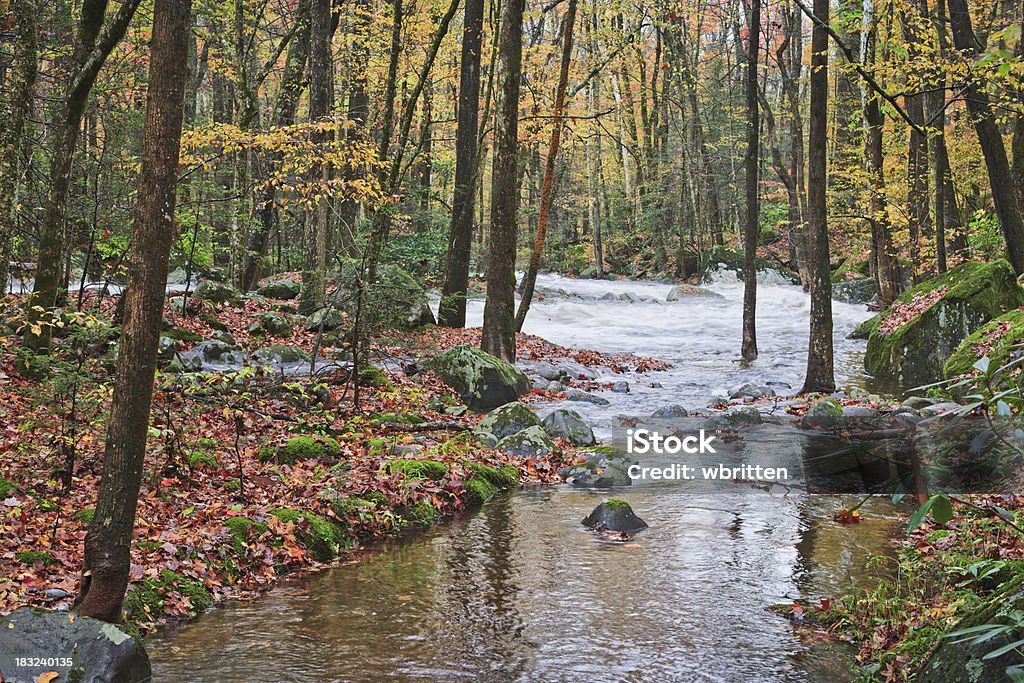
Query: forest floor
[(219, 515)]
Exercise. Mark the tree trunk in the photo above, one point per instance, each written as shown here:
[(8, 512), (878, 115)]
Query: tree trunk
[(94, 41), (547, 187), (752, 228), (17, 106), (820, 372), (991, 142), (498, 338), (314, 248), (108, 543), (452, 309), (358, 114)]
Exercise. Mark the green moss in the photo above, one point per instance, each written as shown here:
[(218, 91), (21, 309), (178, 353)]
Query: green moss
[(145, 602), (422, 513), (417, 469), (479, 490), (30, 557), (322, 538), (616, 504), (864, 330), (7, 487), (999, 350), (397, 418), (85, 516), (378, 498), (149, 545), (183, 335), (372, 376), (301, 448), (505, 477), (243, 529), (201, 459)]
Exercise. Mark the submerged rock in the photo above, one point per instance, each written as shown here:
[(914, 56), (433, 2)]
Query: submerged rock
[(509, 419), (482, 381), (737, 417), (968, 297), (569, 425), (687, 292), (604, 468), (76, 648), (614, 514), (532, 441)]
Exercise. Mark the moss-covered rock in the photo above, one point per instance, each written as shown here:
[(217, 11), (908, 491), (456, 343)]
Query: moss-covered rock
[(504, 477), (482, 381), (396, 301), (864, 330), (322, 538), (281, 354), (272, 323), (301, 448), (327, 319), (145, 600), (569, 425), (614, 514), (720, 258), (479, 490), (825, 413), (530, 442), (280, 289), (417, 469), (509, 419), (852, 268), (216, 292), (916, 351), (243, 530), (996, 340), (422, 514)]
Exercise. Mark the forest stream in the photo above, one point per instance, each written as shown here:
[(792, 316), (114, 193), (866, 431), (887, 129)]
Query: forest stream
[(519, 590)]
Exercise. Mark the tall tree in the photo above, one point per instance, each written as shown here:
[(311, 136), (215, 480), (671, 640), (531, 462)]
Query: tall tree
[(314, 246), (752, 226), (991, 141), (95, 39), (820, 372), (548, 186), (498, 336), (451, 311), (17, 104), (108, 541)]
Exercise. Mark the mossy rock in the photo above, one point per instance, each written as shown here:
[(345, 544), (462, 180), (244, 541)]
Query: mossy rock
[(280, 289), (420, 514), (530, 442), (372, 376), (825, 413), (851, 268), (145, 601), (479, 490), (242, 530), (216, 292), (1000, 336), (182, 335), (614, 514), (282, 354), (272, 323), (30, 557), (730, 258), (569, 425), (396, 301), (302, 448), (326, 319), (864, 330), (509, 419), (482, 381), (397, 418), (417, 469), (504, 477), (916, 352), (323, 539)]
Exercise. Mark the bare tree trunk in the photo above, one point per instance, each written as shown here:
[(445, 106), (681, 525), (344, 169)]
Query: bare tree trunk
[(452, 309), (991, 142), (105, 571), (752, 228), (94, 41), (17, 105), (820, 372), (498, 338), (358, 113), (547, 187)]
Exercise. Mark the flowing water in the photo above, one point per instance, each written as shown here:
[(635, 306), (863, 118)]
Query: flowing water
[(519, 591)]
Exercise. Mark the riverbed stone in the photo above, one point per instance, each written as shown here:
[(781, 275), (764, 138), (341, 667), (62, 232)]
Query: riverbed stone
[(509, 419), (735, 417), (604, 467), (584, 397), (482, 381), (748, 391), (95, 651), (689, 292), (569, 425), (530, 442), (555, 387), (549, 371), (327, 319), (614, 514), (670, 412), (280, 289), (282, 354), (917, 351), (825, 413)]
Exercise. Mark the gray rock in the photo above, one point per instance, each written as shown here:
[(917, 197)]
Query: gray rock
[(936, 409), (327, 318), (592, 474), (575, 370), (825, 413), (569, 425), (530, 442), (918, 402), (736, 417), (688, 292), (274, 324), (509, 419), (614, 514), (621, 387), (216, 292), (549, 371), (859, 412), (215, 351), (281, 354), (556, 387), (397, 300), (486, 438), (748, 391), (482, 381), (857, 291), (280, 289), (584, 397), (83, 649), (669, 412)]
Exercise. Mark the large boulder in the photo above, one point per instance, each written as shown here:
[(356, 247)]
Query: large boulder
[(482, 381), (689, 292), (998, 340), (509, 419), (719, 259), (861, 290), (614, 514), (217, 292), (76, 648), (530, 442), (569, 425), (327, 319), (272, 323), (280, 289), (913, 339), (396, 301)]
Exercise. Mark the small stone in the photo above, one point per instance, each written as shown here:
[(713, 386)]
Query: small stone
[(555, 387), (670, 412), (825, 413), (584, 397), (621, 387)]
